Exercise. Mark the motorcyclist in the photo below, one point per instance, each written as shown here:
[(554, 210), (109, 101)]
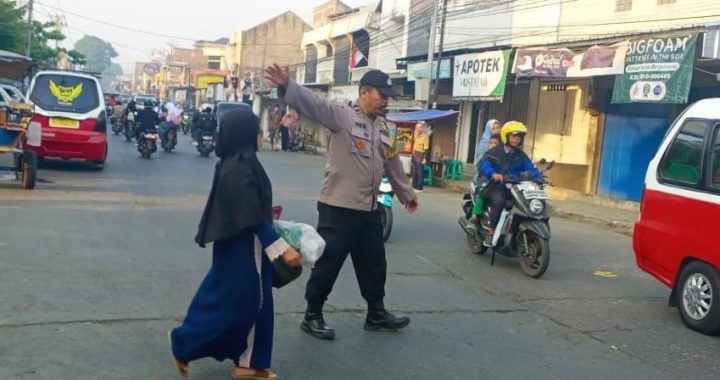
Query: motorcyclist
[(148, 118), (129, 116), (205, 123), (118, 111), (168, 121), (504, 160)]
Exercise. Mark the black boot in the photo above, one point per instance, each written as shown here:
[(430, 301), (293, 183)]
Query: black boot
[(382, 320), (314, 324)]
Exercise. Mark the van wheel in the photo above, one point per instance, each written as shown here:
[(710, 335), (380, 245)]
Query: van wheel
[(100, 164), (698, 297)]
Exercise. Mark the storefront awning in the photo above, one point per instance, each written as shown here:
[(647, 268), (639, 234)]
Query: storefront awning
[(13, 66), (427, 116)]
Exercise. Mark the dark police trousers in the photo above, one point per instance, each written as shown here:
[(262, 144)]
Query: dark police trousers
[(358, 233)]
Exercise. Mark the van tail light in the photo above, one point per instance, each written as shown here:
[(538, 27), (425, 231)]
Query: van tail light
[(642, 200), (101, 123)]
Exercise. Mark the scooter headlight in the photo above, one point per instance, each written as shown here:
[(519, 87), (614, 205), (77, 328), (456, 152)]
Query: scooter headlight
[(536, 206)]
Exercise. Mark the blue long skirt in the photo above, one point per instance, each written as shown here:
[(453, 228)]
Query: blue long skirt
[(231, 315)]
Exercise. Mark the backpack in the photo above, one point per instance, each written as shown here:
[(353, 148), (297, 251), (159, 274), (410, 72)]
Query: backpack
[(205, 121)]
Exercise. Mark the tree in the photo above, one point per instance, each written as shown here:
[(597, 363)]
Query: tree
[(111, 77), (44, 33), (77, 58), (98, 53), (13, 30)]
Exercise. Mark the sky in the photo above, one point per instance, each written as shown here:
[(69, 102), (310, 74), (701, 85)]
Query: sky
[(204, 19)]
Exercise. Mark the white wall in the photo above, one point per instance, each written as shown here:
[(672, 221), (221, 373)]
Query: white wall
[(388, 42), (595, 18), (475, 24)]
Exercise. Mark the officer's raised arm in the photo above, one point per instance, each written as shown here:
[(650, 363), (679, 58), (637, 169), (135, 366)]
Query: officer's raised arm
[(331, 116)]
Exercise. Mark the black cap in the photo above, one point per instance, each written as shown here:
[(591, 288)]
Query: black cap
[(379, 80)]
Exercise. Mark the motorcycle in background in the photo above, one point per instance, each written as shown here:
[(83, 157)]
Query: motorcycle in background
[(385, 202), (116, 125), (206, 145), (186, 119), (147, 143), (169, 142)]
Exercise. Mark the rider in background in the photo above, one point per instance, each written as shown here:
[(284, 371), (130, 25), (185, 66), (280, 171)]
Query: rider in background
[(148, 119), (504, 160)]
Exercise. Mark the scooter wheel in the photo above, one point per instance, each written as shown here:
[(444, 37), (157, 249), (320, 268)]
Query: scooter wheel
[(535, 258)]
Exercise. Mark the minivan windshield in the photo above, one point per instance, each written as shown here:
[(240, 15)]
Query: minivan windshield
[(65, 93)]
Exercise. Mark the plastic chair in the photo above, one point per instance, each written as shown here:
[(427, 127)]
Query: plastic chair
[(427, 175), (455, 170)]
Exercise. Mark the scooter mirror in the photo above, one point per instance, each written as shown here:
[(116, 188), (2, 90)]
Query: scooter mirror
[(550, 165)]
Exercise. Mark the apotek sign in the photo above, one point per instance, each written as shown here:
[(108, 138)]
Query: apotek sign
[(481, 76)]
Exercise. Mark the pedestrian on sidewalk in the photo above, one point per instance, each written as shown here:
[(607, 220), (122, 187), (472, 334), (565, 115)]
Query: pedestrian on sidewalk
[(349, 219), (285, 124), (420, 147), (274, 118), (294, 131), (231, 315)]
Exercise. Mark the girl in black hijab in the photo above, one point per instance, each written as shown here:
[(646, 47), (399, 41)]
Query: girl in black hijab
[(231, 316)]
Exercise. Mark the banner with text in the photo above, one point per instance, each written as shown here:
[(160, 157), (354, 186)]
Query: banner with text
[(566, 63), (481, 76), (657, 70)]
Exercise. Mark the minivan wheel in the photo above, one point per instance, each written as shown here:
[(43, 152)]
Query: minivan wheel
[(698, 297)]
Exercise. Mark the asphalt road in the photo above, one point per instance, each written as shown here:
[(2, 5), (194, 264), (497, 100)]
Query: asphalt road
[(95, 267)]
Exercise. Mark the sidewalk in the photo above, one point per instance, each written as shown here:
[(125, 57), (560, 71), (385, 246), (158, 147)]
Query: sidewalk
[(615, 215)]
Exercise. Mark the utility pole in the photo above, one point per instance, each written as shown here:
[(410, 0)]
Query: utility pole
[(431, 48), (30, 27), (436, 87)]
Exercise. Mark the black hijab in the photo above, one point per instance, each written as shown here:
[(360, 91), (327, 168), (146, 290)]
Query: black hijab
[(241, 194)]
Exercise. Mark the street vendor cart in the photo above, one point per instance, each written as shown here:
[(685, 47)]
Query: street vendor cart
[(17, 130), (402, 129)]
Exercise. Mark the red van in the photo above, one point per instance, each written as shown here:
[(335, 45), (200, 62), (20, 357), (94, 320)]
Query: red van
[(676, 235), (71, 110)]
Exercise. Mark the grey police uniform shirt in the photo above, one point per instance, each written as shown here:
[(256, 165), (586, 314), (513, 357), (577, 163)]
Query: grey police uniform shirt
[(358, 150)]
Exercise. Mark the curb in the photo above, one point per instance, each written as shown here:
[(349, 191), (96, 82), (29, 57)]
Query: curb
[(612, 225), (624, 228)]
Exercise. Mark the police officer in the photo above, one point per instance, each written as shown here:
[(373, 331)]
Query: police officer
[(359, 151)]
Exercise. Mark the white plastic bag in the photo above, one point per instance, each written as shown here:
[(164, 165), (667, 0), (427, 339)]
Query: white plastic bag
[(303, 238)]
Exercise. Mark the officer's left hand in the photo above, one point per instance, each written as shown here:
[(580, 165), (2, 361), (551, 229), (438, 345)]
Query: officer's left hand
[(412, 206)]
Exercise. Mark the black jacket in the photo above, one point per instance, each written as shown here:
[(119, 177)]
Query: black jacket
[(148, 118)]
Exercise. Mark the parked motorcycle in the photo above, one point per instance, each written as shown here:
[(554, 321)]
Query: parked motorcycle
[(206, 145), (186, 118), (147, 143), (524, 227), (170, 140), (385, 202)]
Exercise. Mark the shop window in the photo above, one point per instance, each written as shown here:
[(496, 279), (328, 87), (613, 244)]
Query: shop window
[(683, 160), (623, 5), (715, 161)]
